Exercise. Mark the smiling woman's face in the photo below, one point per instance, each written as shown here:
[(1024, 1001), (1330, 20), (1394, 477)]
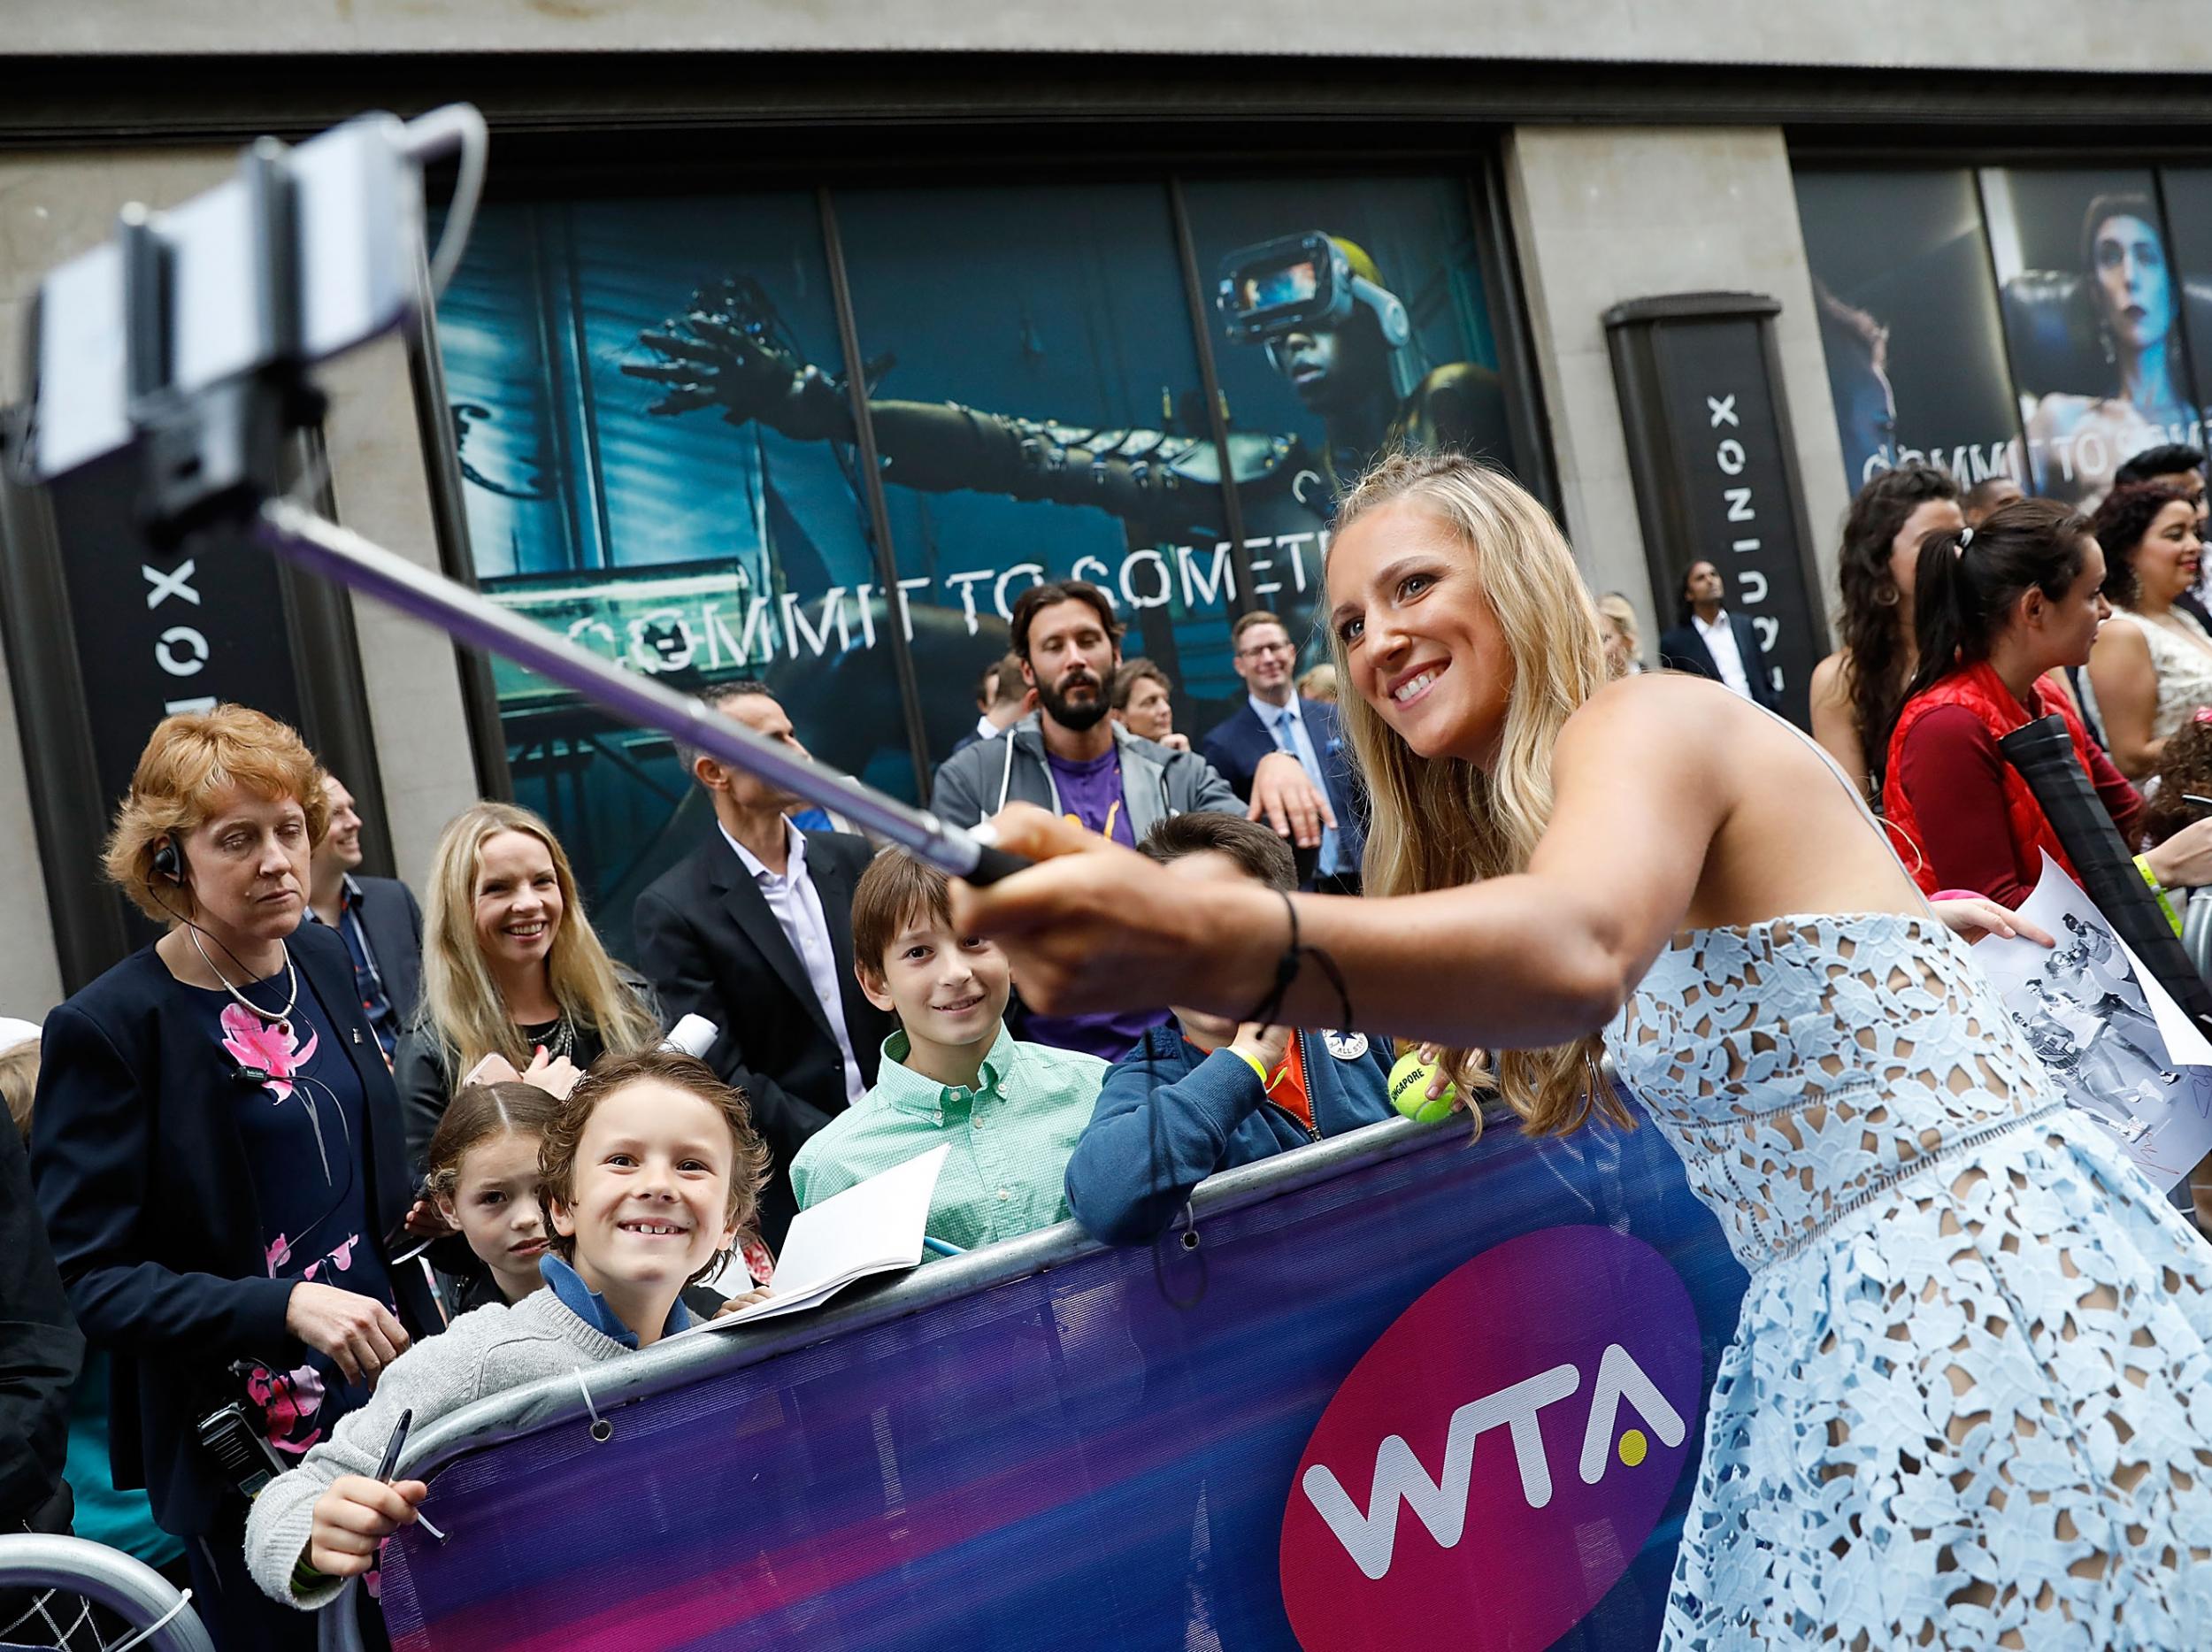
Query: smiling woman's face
[(1421, 640), (517, 898)]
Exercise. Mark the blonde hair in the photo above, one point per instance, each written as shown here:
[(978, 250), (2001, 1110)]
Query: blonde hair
[(1622, 612), (191, 761), (461, 1005), (19, 1083), (1441, 822)]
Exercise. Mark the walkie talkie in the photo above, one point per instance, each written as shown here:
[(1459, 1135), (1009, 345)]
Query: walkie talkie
[(244, 1458)]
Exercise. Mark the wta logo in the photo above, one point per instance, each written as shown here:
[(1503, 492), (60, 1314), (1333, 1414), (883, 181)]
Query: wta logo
[(1494, 1462)]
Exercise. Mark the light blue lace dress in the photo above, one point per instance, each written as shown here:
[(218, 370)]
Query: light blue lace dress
[(1969, 1400)]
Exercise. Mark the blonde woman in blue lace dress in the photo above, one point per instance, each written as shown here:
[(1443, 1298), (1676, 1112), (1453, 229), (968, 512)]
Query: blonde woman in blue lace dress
[(1968, 1403)]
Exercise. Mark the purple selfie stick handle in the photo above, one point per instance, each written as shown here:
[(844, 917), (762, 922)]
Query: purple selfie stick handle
[(310, 542)]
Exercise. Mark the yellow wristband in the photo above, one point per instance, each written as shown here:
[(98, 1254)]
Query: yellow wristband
[(1258, 1072), (2143, 865)]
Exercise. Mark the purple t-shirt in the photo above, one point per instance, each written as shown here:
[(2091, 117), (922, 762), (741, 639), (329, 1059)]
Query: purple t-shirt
[(1090, 793)]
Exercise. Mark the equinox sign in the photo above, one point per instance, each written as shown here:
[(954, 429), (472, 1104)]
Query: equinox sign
[(1531, 1414)]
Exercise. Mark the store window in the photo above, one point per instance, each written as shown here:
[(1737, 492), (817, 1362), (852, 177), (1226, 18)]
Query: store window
[(1348, 316), (640, 474), (2029, 322)]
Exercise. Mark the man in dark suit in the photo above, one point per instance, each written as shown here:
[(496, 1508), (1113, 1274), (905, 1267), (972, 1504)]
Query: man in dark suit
[(1713, 643), (753, 930), (377, 917), (1002, 700), (1277, 718)]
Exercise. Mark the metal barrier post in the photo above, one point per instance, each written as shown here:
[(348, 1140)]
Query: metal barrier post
[(130, 1588)]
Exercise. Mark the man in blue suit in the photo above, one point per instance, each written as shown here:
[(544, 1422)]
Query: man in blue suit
[(1277, 718)]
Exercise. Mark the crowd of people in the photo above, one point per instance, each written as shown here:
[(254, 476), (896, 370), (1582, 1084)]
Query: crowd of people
[(1966, 615), (308, 1129), (319, 1156)]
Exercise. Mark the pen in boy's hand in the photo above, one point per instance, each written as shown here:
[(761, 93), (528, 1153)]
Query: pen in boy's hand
[(392, 1449), (395, 1446)]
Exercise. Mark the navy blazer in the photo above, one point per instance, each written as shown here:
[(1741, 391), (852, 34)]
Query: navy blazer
[(142, 1177), (704, 936), (1235, 748), (392, 923), (1683, 650)]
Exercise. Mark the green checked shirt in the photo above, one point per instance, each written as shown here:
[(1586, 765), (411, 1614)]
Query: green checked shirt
[(1012, 1137)]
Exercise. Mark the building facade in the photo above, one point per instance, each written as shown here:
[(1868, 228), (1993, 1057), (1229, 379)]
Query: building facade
[(1118, 296)]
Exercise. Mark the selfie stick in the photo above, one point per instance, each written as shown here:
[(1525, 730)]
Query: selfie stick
[(323, 547)]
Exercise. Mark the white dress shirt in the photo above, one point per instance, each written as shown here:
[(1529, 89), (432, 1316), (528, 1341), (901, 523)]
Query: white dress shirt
[(1287, 726), (798, 905), (1720, 642)]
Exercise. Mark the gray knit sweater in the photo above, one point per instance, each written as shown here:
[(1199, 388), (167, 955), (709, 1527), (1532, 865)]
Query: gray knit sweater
[(484, 1351)]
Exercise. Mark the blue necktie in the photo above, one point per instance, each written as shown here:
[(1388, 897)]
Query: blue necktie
[(1287, 740)]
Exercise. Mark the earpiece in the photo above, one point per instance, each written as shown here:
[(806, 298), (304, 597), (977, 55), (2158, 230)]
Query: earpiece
[(168, 861)]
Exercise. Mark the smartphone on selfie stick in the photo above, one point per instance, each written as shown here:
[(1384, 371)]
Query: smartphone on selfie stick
[(191, 338)]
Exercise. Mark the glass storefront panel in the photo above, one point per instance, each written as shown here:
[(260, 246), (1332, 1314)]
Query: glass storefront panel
[(1909, 322), (1044, 421), (2037, 322), (649, 467), (1348, 317), (627, 514), (2092, 320)]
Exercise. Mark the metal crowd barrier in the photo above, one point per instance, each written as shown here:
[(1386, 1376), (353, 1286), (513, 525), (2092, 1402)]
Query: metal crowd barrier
[(1046, 1442), (134, 1591)]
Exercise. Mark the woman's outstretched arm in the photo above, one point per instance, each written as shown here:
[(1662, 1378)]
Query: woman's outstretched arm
[(1521, 961)]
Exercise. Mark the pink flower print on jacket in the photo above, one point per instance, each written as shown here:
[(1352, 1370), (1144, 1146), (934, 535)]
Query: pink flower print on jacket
[(253, 1042), (288, 1404), (340, 1259), (279, 1253)]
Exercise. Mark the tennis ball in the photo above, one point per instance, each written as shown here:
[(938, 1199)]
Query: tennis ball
[(1409, 1089)]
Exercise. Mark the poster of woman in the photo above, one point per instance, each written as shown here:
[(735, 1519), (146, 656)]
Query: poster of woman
[(2094, 321)]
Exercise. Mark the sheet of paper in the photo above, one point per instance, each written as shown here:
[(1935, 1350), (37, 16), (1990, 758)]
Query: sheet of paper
[(872, 1227), (2184, 1041), (2094, 1016)]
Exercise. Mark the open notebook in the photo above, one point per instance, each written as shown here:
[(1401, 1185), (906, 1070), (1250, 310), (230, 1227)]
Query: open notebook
[(872, 1227)]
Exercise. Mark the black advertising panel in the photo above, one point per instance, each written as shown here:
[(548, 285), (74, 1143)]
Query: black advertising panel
[(1715, 468), (157, 632)]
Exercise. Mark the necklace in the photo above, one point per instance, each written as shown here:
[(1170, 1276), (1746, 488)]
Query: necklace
[(282, 1017), (562, 1039)]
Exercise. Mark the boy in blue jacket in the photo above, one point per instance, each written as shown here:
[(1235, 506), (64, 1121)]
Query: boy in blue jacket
[(1206, 1094)]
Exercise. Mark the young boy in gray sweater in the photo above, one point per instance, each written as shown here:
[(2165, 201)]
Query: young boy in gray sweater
[(649, 1171)]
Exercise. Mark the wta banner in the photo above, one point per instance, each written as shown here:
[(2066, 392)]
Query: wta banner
[(1451, 1397)]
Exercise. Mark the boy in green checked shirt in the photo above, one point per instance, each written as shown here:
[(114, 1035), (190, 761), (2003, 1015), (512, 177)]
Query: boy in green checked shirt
[(951, 1073)]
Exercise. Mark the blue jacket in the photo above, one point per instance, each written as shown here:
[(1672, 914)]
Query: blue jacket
[(142, 1175), (1169, 1115), (1236, 745)]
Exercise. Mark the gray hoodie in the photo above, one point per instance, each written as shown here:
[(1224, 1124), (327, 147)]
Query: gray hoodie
[(1156, 781), (484, 1351)]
